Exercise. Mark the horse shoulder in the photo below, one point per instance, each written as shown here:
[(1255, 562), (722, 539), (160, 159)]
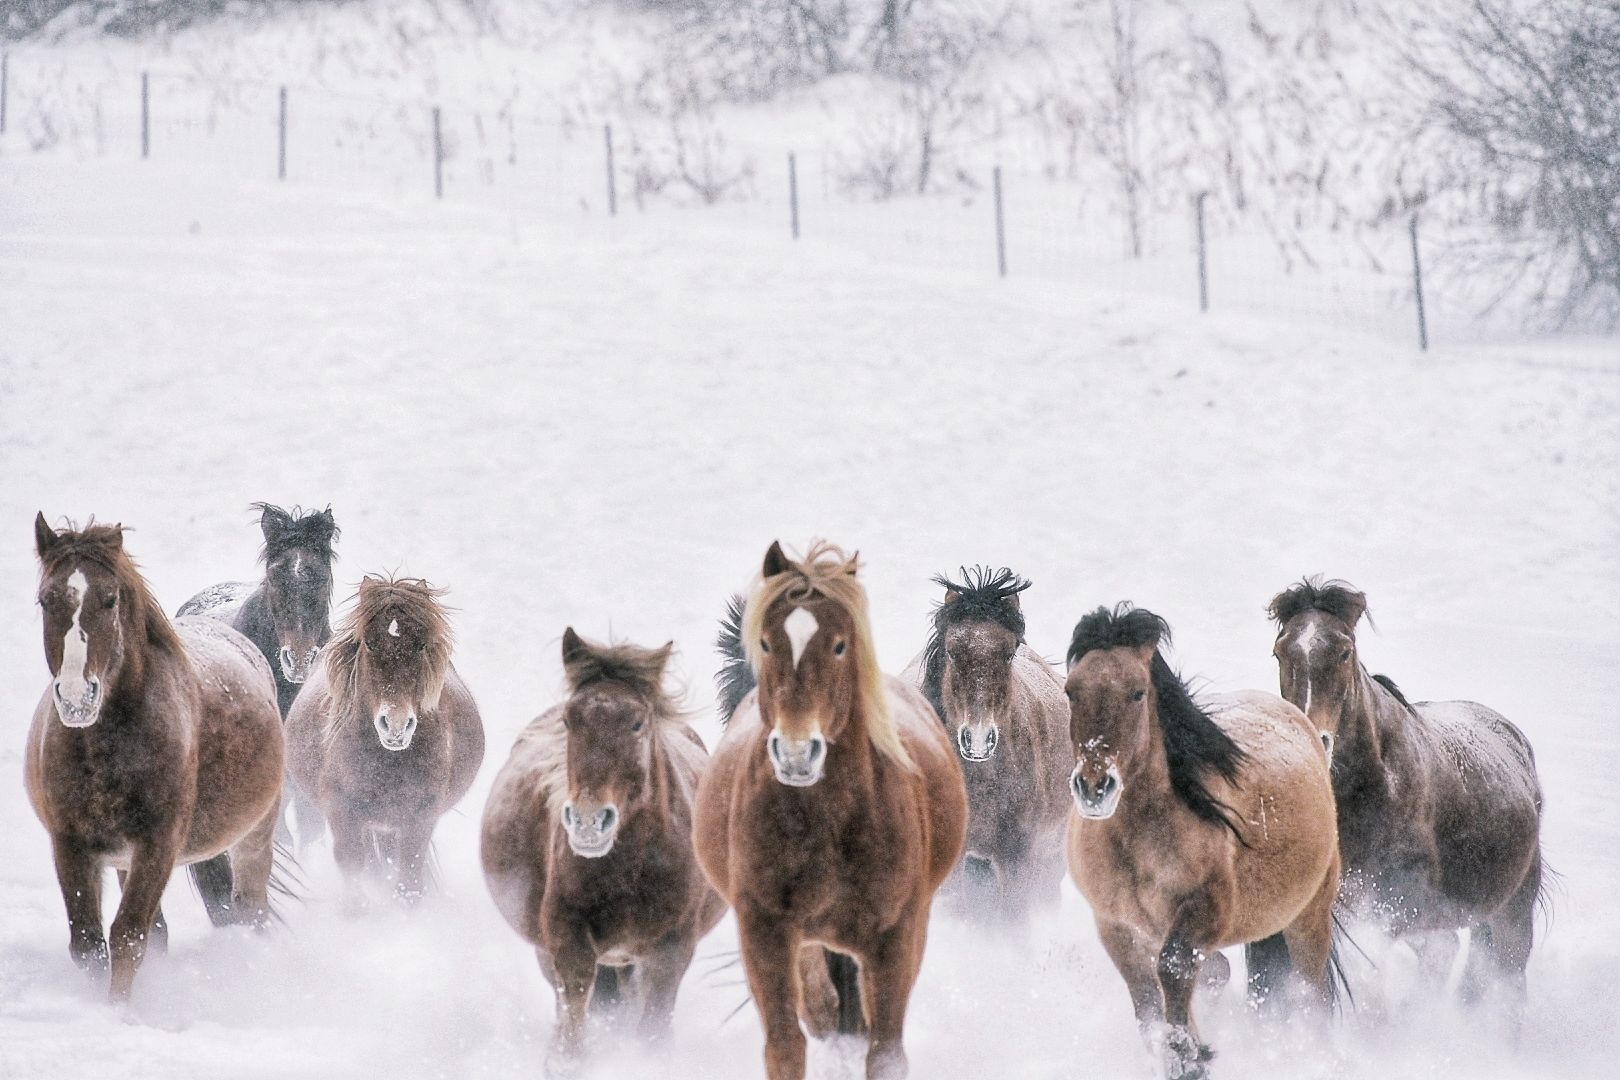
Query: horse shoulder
[(515, 832), (718, 791), (939, 786), (456, 705)]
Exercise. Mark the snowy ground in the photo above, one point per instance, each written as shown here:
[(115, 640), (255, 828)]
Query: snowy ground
[(572, 420)]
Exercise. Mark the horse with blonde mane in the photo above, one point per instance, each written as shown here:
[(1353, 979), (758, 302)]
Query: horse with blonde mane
[(833, 810), (385, 737), (587, 839)]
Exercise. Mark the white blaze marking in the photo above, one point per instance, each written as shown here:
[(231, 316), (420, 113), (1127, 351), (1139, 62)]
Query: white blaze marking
[(801, 626), (1305, 642), (393, 628), (75, 645), (298, 566)]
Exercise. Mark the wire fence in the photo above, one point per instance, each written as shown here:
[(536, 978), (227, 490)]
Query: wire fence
[(1002, 214)]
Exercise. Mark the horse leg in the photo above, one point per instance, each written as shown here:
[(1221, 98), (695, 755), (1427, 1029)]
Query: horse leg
[(1499, 951), (213, 880), (413, 839), (252, 860), (79, 877), (662, 973), (888, 973), (1134, 962), (149, 869), (1179, 960), (770, 950), (1309, 938), (818, 998), (1268, 963), (573, 963), (351, 849), (308, 821), (160, 927)]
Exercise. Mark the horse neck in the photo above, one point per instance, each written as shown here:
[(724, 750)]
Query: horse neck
[(1376, 733), (142, 657), (1150, 772)]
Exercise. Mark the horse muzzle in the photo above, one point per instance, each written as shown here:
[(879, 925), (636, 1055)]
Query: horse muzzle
[(395, 736), (79, 706), (977, 741), (1096, 803), (797, 762), (295, 667), (591, 835)]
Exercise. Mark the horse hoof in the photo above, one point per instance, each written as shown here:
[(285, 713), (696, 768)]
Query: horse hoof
[(1185, 1058)]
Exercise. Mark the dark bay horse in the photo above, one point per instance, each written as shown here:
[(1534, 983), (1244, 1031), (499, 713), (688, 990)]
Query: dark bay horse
[(385, 737), (288, 616), (587, 838), (1439, 802), (1005, 708), (156, 744), (1197, 825), (833, 810)]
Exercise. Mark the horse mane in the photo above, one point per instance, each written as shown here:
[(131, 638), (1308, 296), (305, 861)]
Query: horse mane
[(984, 594), (412, 601), (827, 571), (315, 529), (1389, 684), (735, 678), (1193, 743), (104, 546), (641, 669), (1337, 598)]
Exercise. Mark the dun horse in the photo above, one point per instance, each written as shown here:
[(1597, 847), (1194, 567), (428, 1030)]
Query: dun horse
[(1196, 826), (587, 838), (1004, 706), (1439, 803), (833, 810), (385, 737), (287, 615), (155, 744)]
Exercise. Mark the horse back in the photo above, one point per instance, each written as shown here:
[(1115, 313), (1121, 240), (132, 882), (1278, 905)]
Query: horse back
[(223, 601)]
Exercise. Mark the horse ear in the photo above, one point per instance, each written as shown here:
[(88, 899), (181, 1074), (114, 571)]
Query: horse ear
[(1017, 605), (951, 597), (776, 561), (44, 536), (854, 563), (274, 523), (1355, 606), (573, 647), (661, 656)]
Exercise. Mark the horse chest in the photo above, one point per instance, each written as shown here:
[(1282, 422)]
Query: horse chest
[(624, 902), (110, 785)]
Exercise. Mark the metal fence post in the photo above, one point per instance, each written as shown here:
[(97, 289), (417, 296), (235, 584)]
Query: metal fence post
[(281, 140), (1001, 226), (1203, 253), (438, 156), (146, 115), (793, 193), (612, 190), (1417, 288)]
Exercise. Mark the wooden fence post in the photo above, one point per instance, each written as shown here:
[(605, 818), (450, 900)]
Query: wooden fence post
[(146, 115), (612, 189), (281, 140), (1001, 226), (793, 192), (438, 156), (1417, 288), (1203, 253)]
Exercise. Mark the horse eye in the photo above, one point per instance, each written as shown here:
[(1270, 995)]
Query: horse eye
[(109, 600), (838, 649), (1344, 656), (636, 727), (1139, 695), (764, 646)]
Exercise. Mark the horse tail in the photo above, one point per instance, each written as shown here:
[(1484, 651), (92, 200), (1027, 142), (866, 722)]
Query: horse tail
[(1548, 883), (1339, 992), (735, 679), (215, 885), (846, 979), (286, 879)]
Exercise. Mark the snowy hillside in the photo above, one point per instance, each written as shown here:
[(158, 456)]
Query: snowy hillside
[(603, 423)]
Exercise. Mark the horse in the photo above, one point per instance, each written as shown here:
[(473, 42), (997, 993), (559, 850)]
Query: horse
[(1010, 720), (586, 840), (1197, 825), (831, 813), (287, 615), (385, 737), (156, 744), (1439, 801)]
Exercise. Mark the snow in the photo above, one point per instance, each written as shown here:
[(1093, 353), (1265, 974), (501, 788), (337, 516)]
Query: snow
[(571, 420)]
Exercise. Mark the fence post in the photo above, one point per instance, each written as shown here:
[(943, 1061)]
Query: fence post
[(1203, 253), (5, 74), (146, 115), (793, 192), (612, 192), (1001, 226), (1417, 288), (281, 140), (438, 156)]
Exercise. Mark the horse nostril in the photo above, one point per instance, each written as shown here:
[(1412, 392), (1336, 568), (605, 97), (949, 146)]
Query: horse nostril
[(568, 815), (773, 747), (1078, 786), (606, 818), (818, 748)]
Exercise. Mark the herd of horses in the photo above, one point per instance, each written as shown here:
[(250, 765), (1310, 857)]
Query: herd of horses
[(837, 804)]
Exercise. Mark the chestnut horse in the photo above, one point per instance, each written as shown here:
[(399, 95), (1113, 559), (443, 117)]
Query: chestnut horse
[(1439, 802), (385, 737), (156, 744), (1197, 826), (1005, 706), (833, 810), (587, 838), (288, 616)]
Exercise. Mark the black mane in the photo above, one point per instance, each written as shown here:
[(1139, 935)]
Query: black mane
[(981, 594), (1389, 684), (735, 678), (1193, 743), (300, 528), (1337, 598)]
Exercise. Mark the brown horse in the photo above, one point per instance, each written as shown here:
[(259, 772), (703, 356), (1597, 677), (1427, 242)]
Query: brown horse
[(1005, 706), (385, 737), (833, 810), (587, 838), (1196, 826), (1439, 802), (156, 744)]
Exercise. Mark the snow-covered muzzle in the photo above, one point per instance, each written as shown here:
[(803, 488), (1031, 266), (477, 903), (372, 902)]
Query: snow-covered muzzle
[(591, 827), (797, 762), (296, 663), (977, 741), (1099, 799), (396, 726), (78, 702)]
